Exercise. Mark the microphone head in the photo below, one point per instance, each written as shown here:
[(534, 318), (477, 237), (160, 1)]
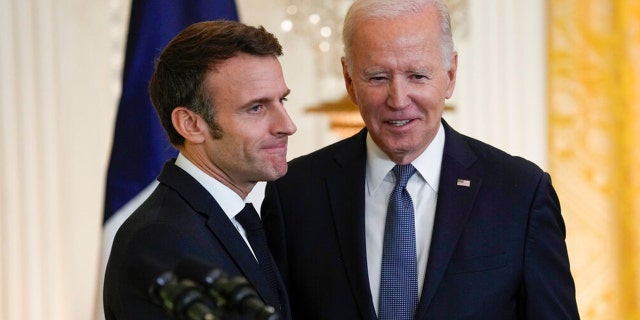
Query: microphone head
[(226, 291), (234, 294), (199, 271), (179, 297), (149, 276)]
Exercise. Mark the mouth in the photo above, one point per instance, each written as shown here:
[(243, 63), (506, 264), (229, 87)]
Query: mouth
[(398, 123), (276, 147)]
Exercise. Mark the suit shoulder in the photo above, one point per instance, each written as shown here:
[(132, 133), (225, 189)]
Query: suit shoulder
[(500, 160)]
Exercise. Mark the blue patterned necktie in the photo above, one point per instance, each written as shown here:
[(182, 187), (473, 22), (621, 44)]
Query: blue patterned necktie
[(399, 276)]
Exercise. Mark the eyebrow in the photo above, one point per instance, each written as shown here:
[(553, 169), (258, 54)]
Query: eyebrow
[(374, 72), (266, 100)]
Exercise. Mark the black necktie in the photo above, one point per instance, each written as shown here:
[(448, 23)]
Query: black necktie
[(252, 225), (399, 280)]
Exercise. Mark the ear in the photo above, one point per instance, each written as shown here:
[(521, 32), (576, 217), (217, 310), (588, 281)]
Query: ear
[(189, 125), (451, 75), (348, 81)]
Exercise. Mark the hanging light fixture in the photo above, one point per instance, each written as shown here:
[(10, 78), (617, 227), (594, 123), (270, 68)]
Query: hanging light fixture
[(320, 21)]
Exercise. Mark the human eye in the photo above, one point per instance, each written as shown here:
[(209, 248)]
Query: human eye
[(419, 77), (419, 74), (256, 108), (376, 77)]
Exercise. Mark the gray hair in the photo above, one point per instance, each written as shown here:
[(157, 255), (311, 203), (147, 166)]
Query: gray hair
[(362, 10)]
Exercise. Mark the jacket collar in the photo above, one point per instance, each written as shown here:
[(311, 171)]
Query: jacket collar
[(219, 224)]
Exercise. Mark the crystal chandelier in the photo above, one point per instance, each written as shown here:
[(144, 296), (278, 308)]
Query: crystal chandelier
[(320, 21)]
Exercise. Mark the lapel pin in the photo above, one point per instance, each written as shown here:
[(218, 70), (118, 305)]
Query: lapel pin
[(464, 183)]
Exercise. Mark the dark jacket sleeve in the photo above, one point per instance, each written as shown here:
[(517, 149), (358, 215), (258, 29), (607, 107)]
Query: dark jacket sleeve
[(549, 288)]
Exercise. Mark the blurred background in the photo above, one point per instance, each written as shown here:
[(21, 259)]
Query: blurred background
[(556, 81)]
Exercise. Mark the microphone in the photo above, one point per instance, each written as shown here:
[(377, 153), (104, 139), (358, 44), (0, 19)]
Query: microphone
[(234, 294), (181, 298)]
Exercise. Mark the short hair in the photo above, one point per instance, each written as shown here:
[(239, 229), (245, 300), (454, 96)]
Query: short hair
[(362, 10), (181, 68)]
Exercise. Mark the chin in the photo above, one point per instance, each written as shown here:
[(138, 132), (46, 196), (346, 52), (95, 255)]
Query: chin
[(276, 172)]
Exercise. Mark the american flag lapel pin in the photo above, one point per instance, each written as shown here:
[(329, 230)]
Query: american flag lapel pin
[(464, 183)]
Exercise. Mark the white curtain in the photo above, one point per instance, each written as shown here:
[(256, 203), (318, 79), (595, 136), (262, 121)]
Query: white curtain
[(59, 80)]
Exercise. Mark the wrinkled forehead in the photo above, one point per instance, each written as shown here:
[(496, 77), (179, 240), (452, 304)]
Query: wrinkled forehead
[(413, 33)]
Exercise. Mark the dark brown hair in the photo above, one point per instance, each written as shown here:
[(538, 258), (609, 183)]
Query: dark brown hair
[(181, 68)]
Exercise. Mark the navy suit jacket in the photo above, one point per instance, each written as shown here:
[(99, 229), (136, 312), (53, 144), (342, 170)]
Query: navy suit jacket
[(498, 246), (179, 219)]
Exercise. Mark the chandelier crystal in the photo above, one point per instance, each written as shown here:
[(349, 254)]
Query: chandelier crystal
[(320, 21)]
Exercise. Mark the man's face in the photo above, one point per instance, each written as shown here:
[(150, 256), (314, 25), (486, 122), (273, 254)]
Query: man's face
[(399, 81), (248, 99)]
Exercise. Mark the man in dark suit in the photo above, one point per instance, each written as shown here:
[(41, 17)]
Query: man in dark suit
[(486, 236), (218, 89)]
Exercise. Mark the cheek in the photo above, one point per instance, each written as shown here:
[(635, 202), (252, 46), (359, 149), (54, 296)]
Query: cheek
[(431, 97), (371, 97), (368, 110)]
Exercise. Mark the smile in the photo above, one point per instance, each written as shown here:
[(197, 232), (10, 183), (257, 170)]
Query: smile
[(398, 123)]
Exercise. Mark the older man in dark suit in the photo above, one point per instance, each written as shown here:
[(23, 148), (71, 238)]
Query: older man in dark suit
[(409, 219)]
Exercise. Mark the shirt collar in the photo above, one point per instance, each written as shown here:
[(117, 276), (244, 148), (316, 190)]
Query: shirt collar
[(230, 202), (428, 164)]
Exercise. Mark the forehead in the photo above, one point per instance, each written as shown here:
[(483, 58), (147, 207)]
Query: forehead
[(247, 66), (414, 37), (246, 77)]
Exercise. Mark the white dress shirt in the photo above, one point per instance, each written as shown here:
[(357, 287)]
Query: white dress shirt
[(423, 188), (230, 202)]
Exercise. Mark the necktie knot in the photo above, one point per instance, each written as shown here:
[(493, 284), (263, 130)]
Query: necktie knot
[(403, 173), (249, 218)]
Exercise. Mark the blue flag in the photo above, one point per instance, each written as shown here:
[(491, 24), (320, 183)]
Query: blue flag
[(140, 146)]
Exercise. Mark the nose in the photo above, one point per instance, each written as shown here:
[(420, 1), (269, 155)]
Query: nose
[(284, 124), (397, 94)]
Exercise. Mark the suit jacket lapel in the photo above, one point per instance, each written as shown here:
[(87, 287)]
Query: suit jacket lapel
[(348, 216), (239, 251), (456, 194), (220, 225)]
